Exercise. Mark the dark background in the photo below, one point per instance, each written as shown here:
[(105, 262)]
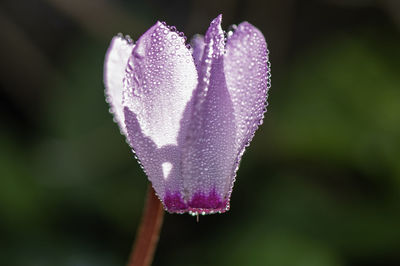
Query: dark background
[(319, 185)]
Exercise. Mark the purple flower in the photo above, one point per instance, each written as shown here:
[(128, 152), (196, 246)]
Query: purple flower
[(189, 112)]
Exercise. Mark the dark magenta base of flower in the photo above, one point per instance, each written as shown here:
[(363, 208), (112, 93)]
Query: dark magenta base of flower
[(199, 204)]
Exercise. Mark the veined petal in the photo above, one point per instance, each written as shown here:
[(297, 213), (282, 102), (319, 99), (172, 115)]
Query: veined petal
[(114, 72), (159, 82), (247, 75), (209, 153)]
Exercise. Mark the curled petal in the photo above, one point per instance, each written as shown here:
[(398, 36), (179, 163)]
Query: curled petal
[(114, 73), (159, 82)]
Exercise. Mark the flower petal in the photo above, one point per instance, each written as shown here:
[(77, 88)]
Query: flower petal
[(247, 75), (209, 154), (114, 73), (159, 82), (197, 44)]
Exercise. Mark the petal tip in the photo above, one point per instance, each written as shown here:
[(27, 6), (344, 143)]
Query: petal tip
[(159, 23), (215, 34), (217, 20), (250, 28), (120, 37)]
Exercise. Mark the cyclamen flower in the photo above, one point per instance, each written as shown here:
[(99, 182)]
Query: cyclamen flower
[(189, 112)]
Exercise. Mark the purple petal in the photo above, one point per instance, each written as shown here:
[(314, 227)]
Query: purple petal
[(159, 82), (209, 153), (197, 44), (247, 75), (114, 73)]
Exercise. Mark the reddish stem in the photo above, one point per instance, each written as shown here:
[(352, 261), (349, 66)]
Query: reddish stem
[(149, 231)]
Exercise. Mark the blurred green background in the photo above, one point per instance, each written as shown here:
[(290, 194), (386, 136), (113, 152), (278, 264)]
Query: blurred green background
[(319, 186)]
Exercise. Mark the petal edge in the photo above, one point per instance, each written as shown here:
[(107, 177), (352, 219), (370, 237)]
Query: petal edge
[(114, 72)]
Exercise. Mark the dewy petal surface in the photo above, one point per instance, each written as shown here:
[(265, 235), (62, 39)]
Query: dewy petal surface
[(189, 114), (247, 76), (159, 82), (197, 44), (209, 153), (114, 72)]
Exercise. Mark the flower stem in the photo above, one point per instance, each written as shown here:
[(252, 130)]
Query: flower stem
[(149, 231)]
